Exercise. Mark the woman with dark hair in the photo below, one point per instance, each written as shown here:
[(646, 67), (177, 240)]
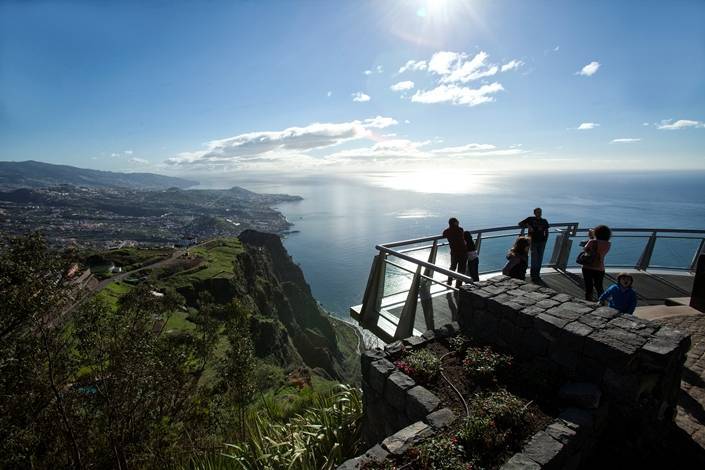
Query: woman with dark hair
[(473, 259), (594, 271), (518, 259)]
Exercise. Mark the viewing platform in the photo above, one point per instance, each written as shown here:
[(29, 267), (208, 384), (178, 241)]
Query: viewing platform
[(407, 294)]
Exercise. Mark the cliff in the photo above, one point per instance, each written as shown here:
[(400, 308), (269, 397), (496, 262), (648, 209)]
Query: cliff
[(289, 322)]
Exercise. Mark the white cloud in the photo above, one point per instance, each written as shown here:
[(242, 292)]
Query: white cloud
[(115, 154), (360, 97), (557, 48), (139, 161), (290, 142), (586, 126), (669, 125), (645, 124), (457, 67), (406, 121), (396, 149), (379, 122), (458, 95), (401, 86), (128, 152), (377, 69), (329, 94), (589, 70), (511, 65), (413, 65), (465, 148), (478, 150), (625, 140)]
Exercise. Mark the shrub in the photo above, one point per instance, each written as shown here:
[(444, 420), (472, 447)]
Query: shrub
[(442, 452), (483, 363), (423, 366), (459, 343)]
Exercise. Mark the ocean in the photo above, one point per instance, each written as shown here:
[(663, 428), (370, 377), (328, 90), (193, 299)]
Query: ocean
[(341, 219)]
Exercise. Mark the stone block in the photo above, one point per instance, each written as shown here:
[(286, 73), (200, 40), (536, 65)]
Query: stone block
[(547, 303), (351, 464), (527, 287), (566, 359), (429, 335), (534, 343), (563, 313), (404, 439), (562, 298), (520, 462), (593, 321), (484, 324), (633, 324), (578, 419), (549, 326), (576, 307), (376, 454), (560, 432), (605, 312), (441, 419), (536, 296), (420, 402), (369, 356), (442, 332), (590, 369), (580, 394), (392, 349), (620, 386), (413, 341), (379, 370), (453, 328), (544, 450), (612, 346), (509, 333), (395, 390)]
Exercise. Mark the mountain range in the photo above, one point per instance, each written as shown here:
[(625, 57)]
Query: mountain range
[(34, 174)]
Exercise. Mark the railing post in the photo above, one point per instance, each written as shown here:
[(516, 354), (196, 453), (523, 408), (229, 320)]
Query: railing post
[(645, 257), (562, 247), (478, 242), (701, 251), (372, 300), (405, 327)]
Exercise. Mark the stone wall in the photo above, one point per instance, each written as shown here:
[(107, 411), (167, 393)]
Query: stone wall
[(636, 363), (391, 399)]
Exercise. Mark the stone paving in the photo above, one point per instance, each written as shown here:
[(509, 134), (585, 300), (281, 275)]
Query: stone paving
[(691, 403)]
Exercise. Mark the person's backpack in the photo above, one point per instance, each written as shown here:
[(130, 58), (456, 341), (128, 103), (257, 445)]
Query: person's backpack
[(588, 257)]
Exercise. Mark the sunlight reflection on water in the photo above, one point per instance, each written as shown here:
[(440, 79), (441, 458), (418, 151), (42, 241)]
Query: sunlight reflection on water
[(435, 181)]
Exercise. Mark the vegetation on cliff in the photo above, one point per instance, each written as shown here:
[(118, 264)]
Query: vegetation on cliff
[(171, 365)]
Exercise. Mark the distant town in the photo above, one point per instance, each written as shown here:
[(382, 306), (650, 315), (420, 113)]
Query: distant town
[(111, 217)]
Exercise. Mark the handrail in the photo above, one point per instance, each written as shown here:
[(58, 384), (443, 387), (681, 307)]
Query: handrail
[(559, 259), (432, 238)]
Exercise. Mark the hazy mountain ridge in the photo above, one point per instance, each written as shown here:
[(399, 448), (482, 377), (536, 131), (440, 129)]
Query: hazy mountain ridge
[(34, 174)]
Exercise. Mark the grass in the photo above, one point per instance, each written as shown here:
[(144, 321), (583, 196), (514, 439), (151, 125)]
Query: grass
[(217, 255), (178, 321), (112, 293)]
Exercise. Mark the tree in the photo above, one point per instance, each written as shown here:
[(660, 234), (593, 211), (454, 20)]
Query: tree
[(35, 353), (238, 366)]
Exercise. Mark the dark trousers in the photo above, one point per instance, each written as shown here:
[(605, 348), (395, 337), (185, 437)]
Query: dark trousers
[(473, 269), (593, 277), (458, 262), (537, 249)]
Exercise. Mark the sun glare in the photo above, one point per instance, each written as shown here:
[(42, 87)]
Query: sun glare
[(434, 181)]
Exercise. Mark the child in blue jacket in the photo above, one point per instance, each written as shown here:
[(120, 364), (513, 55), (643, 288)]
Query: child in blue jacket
[(621, 296)]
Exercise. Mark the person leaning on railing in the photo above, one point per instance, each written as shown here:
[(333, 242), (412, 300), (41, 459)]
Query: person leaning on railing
[(537, 228), (458, 248), (594, 271)]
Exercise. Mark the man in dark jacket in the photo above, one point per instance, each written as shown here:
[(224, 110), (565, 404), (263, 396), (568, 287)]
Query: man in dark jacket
[(458, 248), (538, 232)]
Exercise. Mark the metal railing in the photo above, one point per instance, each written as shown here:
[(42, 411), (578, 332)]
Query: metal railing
[(417, 259)]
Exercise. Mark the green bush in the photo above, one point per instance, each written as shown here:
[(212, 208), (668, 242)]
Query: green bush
[(441, 452), (423, 366), (483, 363)]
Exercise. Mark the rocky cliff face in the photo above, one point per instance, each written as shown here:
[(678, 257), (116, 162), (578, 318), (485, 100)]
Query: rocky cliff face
[(289, 324)]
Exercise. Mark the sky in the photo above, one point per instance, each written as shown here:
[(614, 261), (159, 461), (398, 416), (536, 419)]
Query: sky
[(230, 87)]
